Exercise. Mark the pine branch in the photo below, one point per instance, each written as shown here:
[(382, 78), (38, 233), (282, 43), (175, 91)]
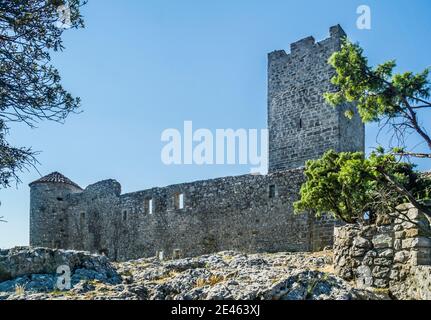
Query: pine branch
[(412, 154), (404, 192)]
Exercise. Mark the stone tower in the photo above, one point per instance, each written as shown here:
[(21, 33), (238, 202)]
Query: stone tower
[(301, 125), (48, 203)]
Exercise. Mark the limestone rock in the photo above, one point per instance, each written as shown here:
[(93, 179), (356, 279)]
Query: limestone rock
[(35, 269), (225, 275), (382, 241)]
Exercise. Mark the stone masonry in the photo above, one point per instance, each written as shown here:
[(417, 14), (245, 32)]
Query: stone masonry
[(301, 125), (393, 255), (251, 213)]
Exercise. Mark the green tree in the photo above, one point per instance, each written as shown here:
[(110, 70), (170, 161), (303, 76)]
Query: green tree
[(353, 188), (30, 87), (381, 96), (347, 184)]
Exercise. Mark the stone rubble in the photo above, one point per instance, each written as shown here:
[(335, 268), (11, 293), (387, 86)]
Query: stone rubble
[(220, 276)]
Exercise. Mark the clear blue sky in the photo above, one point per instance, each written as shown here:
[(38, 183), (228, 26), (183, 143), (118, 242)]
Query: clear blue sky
[(143, 66)]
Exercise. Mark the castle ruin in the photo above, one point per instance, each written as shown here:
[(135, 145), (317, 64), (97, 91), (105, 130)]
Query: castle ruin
[(250, 213)]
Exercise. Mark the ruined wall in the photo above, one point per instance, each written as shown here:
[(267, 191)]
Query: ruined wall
[(251, 213), (301, 125), (394, 255)]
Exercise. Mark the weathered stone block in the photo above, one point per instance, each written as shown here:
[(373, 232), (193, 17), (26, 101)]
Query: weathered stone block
[(398, 227), (364, 278), (381, 283), (388, 253), (382, 241), (380, 272), (369, 258), (405, 206), (408, 225), (368, 231), (419, 242), (383, 219), (394, 274), (382, 262), (341, 261), (360, 242), (413, 214), (400, 234), (401, 256), (358, 252), (397, 244), (384, 229), (345, 273), (411, 233)]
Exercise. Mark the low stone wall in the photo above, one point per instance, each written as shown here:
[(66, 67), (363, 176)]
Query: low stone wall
[(395, 254)]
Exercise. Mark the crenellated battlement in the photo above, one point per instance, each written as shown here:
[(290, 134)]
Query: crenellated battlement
[(307, 44), (302, 45)]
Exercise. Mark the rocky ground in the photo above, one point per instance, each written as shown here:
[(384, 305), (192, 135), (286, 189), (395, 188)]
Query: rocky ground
[(30, 273)]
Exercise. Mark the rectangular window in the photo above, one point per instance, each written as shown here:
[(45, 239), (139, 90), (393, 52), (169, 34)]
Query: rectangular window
[(150, 206), (179, 201), (272, 191)]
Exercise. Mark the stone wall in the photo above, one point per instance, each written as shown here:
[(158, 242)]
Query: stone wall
[(393, 255), (301, 125), (251, 213)]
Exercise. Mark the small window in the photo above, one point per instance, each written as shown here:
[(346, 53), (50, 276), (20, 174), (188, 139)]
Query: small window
[(59, 199), (179, 201), (161, 255), (82, 215), (272, 191), (124, 215), (300, 123), (150, 206), (176, 254)]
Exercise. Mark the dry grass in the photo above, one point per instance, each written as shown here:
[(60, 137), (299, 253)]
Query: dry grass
[(211, 281), (165, 278), (325, 253), (276, 280), (227, 259), (19, 289), (381, 291), (127, 273), (329, 268)]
